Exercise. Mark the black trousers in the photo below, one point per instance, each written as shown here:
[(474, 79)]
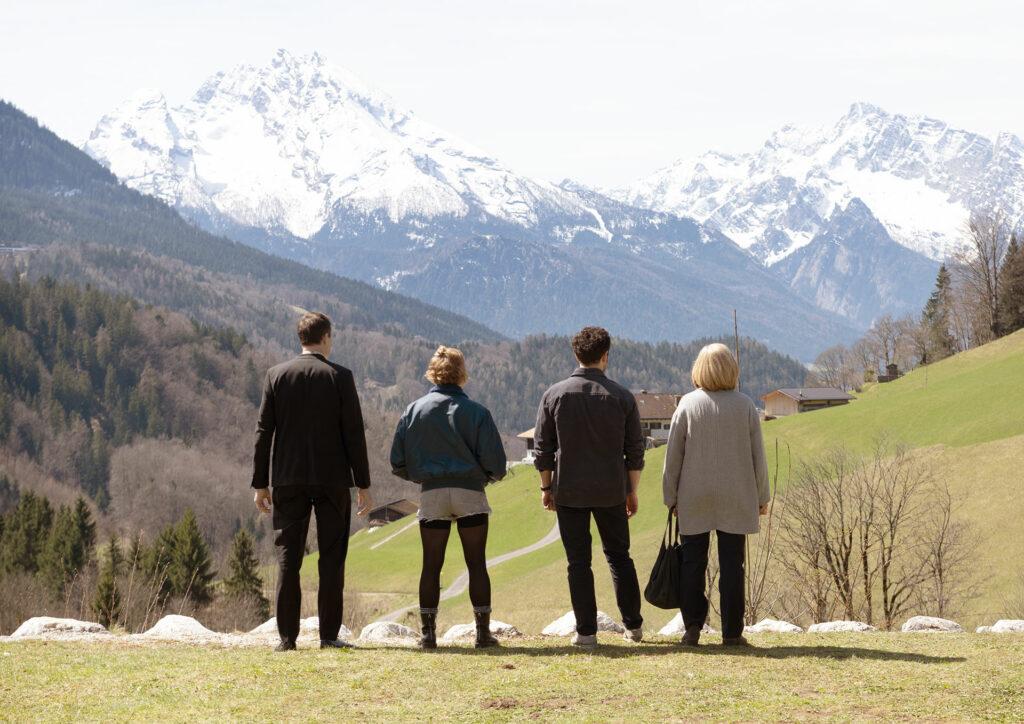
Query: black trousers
[(291, 511), (613, 527), (693, 570)]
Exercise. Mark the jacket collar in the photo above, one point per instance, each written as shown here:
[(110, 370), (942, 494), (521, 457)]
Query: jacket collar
[(313, 354), (450, 390), (591, 373)]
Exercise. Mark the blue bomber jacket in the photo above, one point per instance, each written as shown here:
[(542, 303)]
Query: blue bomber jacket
[(446, 440)]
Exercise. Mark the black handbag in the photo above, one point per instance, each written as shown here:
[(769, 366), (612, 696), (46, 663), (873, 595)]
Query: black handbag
[(664, 589)]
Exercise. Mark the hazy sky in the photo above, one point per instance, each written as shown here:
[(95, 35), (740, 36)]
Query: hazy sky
[(599, 91)]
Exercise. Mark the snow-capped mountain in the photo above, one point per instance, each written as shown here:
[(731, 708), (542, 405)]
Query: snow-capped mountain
[(854, 268), (300, 158), (919, 177), (288, 146)]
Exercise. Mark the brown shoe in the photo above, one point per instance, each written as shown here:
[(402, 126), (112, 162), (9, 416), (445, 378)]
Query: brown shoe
[(735, 641)]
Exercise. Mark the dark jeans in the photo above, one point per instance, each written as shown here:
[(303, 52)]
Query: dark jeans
[(291, 511), (613, 527), (693, 569)]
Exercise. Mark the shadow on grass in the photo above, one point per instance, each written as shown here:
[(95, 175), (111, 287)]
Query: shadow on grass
[(838, 653)]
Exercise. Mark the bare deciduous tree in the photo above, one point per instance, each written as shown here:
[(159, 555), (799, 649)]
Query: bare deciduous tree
[(979, 263), (821, 526), (950, 546)]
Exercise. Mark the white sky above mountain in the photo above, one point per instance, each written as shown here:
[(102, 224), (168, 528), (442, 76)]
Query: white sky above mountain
[(599, 91)]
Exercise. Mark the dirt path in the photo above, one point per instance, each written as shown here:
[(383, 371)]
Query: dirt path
[(462, 581)]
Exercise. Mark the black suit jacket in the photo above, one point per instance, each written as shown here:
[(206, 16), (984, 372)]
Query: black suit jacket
[(310, 414)]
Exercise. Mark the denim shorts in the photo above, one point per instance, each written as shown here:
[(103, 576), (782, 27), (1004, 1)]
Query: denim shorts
[(452, 504)]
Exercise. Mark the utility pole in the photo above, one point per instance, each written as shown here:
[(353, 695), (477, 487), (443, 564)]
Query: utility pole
[(736, 333)]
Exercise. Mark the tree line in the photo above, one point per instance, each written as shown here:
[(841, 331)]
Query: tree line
[(53, 553), (978, 297)]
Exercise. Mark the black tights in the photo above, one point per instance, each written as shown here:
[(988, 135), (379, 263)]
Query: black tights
[(434, 535)]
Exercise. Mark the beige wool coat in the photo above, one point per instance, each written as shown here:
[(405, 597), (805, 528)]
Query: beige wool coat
[(716, 474)]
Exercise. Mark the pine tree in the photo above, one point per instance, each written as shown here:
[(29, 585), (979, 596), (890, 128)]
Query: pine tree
[(25, 534), (190, 572), (244, 581), (107, 602), (68, 546), (935, 318), (1011, 291), (9, 496), (157, 560)]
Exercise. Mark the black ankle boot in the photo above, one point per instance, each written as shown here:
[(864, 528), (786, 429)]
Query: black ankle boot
[(428, 623), (484, 639)]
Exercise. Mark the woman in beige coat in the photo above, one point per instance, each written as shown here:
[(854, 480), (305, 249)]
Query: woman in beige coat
[(715, 479)]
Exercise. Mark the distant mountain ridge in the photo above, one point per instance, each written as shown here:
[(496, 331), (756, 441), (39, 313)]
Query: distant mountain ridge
[(920, 177), (301, 159)]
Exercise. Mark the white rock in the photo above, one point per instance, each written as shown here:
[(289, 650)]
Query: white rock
[(386, 631), (566, 625), (465, 631), (840, 627), (1004, 625), (983, 629), (308, 627), (770, 625), (179, 628), (47, 627), (267, 627), (675, 627), (930, 624)]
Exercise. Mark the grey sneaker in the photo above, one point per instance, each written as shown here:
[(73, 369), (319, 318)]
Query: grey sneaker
[(634, 635), (585, 642)]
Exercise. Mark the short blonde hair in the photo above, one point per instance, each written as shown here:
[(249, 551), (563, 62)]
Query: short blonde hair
[(715, 369), (447, 367)]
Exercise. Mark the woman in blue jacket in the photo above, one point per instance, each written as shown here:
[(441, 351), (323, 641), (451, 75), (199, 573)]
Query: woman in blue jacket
[(450, 446)]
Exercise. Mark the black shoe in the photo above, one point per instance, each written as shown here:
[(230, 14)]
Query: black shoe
[(484, 638), (428, 626), (335, 644), (735, 641), (691, 637), (285, 646)]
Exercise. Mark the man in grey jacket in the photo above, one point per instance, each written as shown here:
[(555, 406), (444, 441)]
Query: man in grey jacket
[(590, 451)]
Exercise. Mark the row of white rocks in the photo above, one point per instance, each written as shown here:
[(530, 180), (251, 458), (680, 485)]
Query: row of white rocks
[(184, 629)]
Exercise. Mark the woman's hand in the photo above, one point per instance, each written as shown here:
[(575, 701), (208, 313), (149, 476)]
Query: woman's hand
[(763, 510), (675, 511)]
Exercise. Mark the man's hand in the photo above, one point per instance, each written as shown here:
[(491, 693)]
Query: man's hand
[(363, 501), (262, 500), (632, 504), (547, 499), (763, 510)]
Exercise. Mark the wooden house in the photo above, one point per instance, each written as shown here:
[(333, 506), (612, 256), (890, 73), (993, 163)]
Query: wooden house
[(656, 410), (791, 400), (391, 512)]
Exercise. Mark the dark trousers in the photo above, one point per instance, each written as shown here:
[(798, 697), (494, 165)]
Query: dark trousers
[(693, 571), (291, 511), (613, 527)]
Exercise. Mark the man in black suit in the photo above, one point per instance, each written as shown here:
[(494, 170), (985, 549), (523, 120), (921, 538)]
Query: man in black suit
[(310, 414)]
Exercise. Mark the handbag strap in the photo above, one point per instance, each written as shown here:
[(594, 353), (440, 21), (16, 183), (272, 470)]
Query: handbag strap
[(671, 531)]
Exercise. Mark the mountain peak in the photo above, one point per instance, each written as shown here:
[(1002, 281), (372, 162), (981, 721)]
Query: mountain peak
[(862, 109)]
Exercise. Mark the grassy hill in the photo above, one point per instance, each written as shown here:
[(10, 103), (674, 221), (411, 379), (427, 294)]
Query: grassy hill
[(964, 414)]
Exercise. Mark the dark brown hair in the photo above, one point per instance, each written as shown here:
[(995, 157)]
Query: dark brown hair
[(590, 344), (313, 327)]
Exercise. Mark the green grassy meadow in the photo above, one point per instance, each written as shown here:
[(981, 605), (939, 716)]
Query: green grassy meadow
[(837, 676)]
